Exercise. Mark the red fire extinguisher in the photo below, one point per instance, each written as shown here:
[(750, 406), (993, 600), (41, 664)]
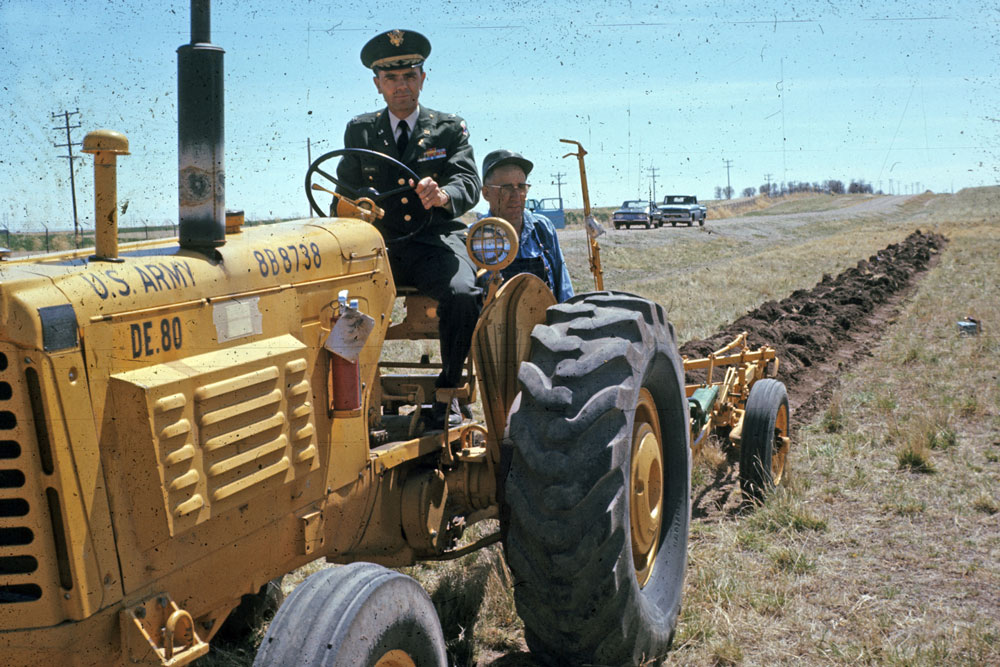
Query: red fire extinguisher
[(344, 377)]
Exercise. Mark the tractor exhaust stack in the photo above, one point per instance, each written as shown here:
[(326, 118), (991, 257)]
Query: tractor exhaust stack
[(201, 136)]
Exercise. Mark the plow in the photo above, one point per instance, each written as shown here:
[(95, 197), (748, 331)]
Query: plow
[(746, 409)]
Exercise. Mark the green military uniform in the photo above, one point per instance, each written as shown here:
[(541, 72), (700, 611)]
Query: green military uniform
[(428, 254), (438, 147), (434, 259)]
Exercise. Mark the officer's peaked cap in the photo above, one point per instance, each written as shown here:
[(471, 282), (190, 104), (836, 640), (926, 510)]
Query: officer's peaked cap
[(395, 49), (498, 158)]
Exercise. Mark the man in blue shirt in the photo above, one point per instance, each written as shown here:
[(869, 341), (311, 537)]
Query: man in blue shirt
[(505, 187)]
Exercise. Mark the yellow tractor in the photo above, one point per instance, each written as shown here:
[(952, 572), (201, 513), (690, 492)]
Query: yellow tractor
[(183, 421)]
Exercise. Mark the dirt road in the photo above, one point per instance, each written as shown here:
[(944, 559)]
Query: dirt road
[(751, 226)]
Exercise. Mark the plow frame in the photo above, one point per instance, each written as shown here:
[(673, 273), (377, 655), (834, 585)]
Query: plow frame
[(742, 367)]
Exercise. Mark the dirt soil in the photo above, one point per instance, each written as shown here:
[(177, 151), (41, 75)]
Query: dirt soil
[(819, 332)]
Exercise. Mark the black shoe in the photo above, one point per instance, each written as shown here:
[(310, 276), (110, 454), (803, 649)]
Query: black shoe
[(435, 420)]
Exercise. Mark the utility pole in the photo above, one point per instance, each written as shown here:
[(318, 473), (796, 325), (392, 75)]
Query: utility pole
[(69, 155), (558, 183), (729, 188), (309, 159), (652, 177), (767, 177)]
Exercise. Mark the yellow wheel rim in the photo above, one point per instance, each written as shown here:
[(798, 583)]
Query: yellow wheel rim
[(646, 487), (396, 658), (781, 445)]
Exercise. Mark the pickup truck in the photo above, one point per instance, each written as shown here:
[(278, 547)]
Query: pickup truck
[(680, 208), (633, 212), (551, 208)]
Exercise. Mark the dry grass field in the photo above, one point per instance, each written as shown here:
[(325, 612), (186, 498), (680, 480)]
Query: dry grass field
[(884, 547)]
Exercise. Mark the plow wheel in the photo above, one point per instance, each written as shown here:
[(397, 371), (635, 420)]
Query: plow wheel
[(358, 615), (764, 445), (598, 493)]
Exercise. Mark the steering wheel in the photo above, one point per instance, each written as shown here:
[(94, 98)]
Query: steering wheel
[(371, 193)]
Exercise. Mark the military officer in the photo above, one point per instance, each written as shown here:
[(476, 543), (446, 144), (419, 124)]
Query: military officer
[(425, 239)]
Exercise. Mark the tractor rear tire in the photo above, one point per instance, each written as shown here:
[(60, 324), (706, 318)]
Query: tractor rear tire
[(598, 493), (352, 616), (764, 442)]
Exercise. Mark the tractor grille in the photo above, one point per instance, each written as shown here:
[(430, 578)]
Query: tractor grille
[(213, 432), (18, 562), (33, 555)]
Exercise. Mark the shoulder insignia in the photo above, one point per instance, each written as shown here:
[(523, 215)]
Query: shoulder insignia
[(366, 117)]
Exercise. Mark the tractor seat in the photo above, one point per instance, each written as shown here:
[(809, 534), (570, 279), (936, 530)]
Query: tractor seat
[(420, 321)]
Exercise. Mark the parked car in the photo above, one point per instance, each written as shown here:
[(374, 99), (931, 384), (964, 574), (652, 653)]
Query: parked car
[(551, 208), (680, 208), (633, 212)]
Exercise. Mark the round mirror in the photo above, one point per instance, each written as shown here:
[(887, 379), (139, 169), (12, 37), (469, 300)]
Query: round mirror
[(492, 243)]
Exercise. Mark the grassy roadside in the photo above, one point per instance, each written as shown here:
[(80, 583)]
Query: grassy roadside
[(708, 277), (884, 547)]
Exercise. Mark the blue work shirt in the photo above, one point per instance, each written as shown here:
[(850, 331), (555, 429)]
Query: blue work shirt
[(539, 253)]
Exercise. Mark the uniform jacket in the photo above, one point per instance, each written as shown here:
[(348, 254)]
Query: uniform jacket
[(438, 147)]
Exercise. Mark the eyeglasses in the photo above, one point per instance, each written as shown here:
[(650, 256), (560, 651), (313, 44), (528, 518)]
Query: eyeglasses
[(508, 189)]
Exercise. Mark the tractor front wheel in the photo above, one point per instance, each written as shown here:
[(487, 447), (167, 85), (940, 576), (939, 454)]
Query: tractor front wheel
[(598, 492), (356, 615)]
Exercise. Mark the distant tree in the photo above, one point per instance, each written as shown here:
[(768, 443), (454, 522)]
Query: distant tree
[(835, 187), (718, 192), (765, 189), (749, 192), (728, 191), (859, 187)]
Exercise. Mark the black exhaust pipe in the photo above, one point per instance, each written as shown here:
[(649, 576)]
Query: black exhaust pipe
[(201, 136)]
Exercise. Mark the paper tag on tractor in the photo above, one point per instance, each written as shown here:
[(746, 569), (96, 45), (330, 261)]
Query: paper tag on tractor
[(349, 334)]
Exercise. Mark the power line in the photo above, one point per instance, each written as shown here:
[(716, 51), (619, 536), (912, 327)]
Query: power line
[(69, 155), (729, 188)]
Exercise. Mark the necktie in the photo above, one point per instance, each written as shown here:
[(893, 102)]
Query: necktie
[(403, 138)]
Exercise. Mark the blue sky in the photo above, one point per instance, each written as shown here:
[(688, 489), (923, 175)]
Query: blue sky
[(905, 92)]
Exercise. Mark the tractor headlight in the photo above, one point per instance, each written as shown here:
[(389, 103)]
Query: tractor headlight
[(492, 243)]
